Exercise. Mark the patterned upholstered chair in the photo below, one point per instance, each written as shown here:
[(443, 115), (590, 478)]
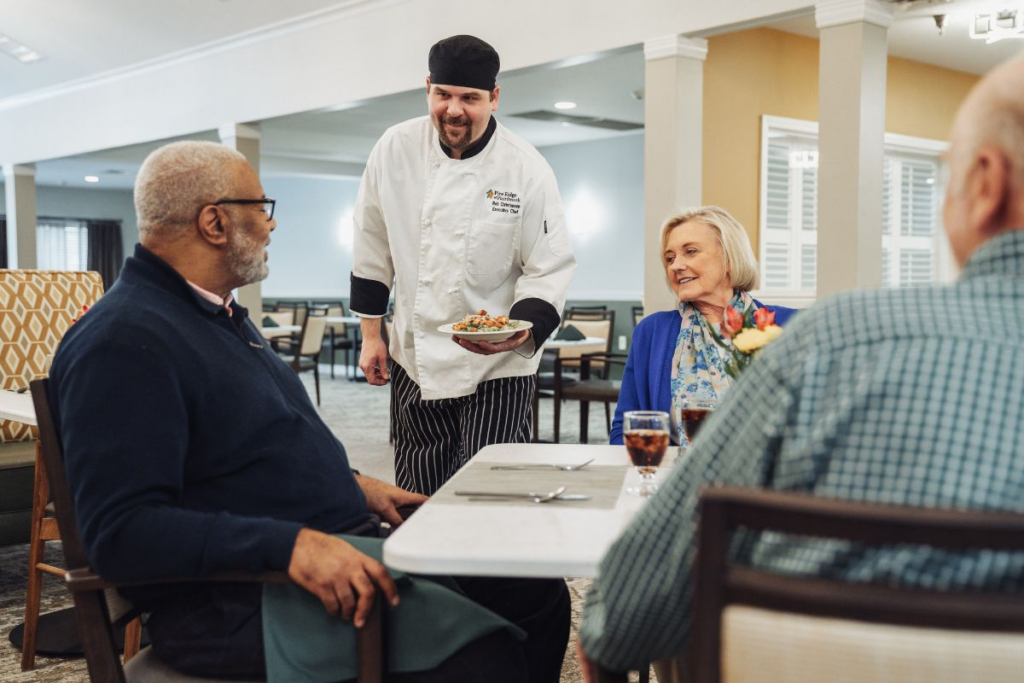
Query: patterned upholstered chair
[(36, 309)]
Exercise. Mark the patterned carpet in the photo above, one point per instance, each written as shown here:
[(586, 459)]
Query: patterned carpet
[(357, 413)]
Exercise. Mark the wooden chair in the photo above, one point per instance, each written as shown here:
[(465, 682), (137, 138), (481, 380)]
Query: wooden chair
[(590, 388), (281, 317), (36, 309), (752, 625), (591, 321), (307, 353), (299, 311), (638, 315), (594, 323), (337, 333), (88, 588)]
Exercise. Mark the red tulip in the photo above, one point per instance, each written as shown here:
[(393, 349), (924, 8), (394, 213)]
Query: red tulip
[(764, 318), (732, 323)]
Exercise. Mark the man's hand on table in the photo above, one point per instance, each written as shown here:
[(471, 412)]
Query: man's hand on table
[(343, 578), (383, 499), (490, 348)]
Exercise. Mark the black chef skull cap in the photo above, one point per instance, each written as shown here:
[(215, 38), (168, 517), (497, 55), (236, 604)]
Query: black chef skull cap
[(463, 61)]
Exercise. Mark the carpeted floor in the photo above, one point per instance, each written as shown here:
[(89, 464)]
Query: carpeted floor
[(358, 415)]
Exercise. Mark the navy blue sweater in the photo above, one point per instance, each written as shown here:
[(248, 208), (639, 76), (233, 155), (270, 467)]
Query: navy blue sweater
[(191, 447)]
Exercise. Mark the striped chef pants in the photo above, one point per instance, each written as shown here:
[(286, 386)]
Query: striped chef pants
[(433, 439)]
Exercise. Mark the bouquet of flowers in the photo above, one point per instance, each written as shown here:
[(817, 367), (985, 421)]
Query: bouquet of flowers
[(749, 333)]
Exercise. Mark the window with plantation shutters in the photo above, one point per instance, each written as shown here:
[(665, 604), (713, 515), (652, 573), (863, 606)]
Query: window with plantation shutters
[(914, 250), (789, 236), (911, 228), (62, 244)]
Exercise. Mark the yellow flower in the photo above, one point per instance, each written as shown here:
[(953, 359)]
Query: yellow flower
[(751, 339)]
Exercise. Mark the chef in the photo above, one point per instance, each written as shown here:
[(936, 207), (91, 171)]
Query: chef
[(456, 214)]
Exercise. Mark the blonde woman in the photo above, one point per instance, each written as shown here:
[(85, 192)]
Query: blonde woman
[(710, 267)]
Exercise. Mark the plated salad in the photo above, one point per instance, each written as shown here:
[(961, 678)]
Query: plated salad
[(481, 322)]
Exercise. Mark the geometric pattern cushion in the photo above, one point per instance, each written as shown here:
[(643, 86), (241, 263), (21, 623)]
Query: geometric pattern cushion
[(36, 309)]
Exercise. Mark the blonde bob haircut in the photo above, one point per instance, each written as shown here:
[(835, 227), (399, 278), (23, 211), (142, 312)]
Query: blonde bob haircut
[(732, 237)]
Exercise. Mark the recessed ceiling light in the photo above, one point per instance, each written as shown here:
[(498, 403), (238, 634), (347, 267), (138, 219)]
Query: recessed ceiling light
[(16, 50), (565, 105), (92, 178)]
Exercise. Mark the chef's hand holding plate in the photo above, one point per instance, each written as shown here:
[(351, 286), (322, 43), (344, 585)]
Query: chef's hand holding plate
[(485, 348)]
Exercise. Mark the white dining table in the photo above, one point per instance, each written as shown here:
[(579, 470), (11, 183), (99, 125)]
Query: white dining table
[(280, 331), (17, 407), (556, 344), (346, 319), (542, 540)]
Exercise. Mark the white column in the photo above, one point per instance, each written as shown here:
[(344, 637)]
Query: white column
[(851, 138), (245, 137), (673, 149), (20, 190)]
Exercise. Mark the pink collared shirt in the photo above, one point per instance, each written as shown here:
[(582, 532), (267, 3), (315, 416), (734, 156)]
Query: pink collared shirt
[(213, 298)]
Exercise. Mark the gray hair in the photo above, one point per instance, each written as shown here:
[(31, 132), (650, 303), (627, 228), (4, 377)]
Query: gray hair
[(177, 179), (732, 237)]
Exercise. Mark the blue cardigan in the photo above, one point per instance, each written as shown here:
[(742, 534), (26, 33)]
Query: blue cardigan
[(647, 381)]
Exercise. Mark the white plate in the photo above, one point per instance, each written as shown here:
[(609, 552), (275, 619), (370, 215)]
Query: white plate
[(485, 336)]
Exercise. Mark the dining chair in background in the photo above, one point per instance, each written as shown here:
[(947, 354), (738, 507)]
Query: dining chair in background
[(299, 311), (306, 354), (638, 315), (566, 371), (338, 336), (591, 387), (90, 591)]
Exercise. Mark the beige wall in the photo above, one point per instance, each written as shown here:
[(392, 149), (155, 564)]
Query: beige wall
[(767, 72)]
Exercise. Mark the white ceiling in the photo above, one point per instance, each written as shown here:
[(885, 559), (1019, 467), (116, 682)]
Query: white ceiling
[(913, 35), (87, 39), (82, 39)]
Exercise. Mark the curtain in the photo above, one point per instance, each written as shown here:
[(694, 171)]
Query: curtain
[(3, 242), (106, 253)]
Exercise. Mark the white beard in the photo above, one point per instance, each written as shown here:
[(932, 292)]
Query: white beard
[(245, 255)]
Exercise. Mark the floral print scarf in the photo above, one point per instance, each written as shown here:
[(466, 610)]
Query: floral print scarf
[(698, 368)]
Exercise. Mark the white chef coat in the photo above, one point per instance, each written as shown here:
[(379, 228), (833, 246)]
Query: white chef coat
[(456, 236)]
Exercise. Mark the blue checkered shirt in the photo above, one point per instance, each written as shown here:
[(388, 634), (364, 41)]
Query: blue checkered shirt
[(912, 397)]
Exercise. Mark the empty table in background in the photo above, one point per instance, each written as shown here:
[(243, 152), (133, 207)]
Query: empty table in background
[(280, 331)]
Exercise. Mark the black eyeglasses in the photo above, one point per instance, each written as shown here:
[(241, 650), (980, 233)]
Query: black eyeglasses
[(268, 204)]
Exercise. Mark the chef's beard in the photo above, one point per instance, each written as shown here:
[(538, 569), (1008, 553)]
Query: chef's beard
[(462, 142)]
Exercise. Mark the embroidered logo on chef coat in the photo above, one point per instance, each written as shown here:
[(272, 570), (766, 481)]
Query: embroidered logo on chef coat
[(503, 201)]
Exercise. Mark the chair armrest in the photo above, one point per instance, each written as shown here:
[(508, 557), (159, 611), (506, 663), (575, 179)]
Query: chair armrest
[(606, 358), (83, 580)]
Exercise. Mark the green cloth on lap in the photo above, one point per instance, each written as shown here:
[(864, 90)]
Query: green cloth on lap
[(304, 644)]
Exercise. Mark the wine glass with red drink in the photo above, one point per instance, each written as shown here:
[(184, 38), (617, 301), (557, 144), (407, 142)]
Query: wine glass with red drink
[(645, 433), (694, 412)]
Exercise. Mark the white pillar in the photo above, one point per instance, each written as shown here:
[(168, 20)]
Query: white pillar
[(20, 190), (673, 149), (851, 139), (245, 138)]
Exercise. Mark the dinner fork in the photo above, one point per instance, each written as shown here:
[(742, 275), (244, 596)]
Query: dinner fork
[(535, 497), (543, 466)]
